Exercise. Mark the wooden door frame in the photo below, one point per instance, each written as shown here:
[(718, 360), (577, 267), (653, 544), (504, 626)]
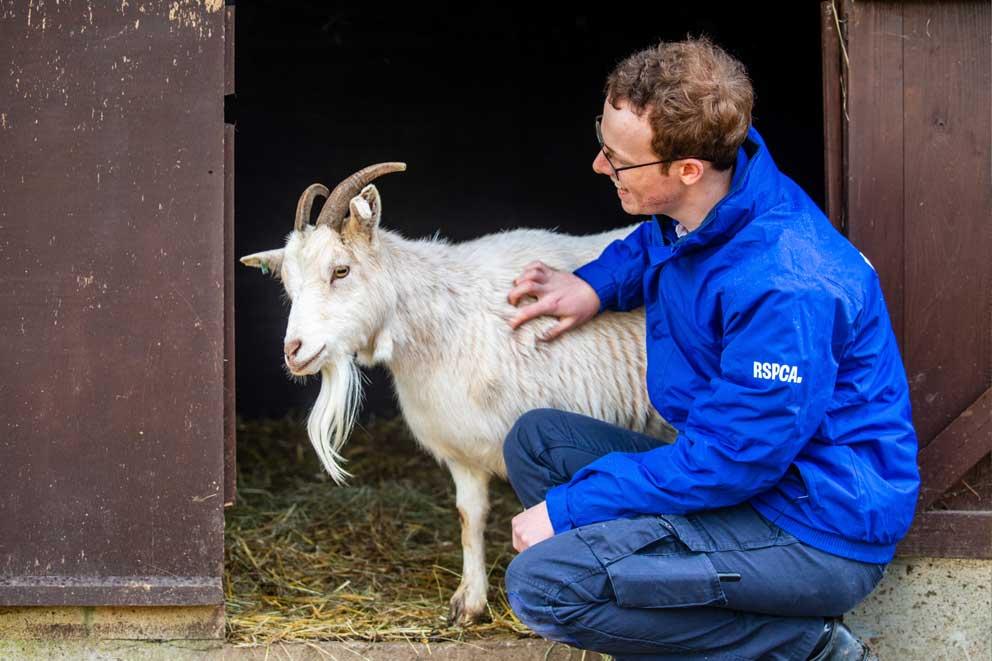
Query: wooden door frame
[(945, 459)]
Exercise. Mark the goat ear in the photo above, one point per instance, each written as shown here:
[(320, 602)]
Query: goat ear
[(366, 211), (371, 195), (267, 260)]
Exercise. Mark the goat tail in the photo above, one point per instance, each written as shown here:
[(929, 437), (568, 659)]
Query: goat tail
[(334, 413)]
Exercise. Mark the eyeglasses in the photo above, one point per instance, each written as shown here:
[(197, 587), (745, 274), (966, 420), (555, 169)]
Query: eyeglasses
[(616, 170)]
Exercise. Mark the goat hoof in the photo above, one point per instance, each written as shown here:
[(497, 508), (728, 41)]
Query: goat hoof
[(463, 612)]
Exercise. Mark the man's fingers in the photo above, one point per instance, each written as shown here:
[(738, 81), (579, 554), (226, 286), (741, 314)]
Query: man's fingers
[(535, 274), (525, 288), (558, 329), (537, 264), (544, 306)]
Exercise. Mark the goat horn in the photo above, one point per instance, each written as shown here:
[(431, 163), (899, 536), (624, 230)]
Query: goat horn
[(305, 204), (333, 212)]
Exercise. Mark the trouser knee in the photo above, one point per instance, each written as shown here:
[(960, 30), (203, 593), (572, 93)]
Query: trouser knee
[(533, 605), (527, 440)]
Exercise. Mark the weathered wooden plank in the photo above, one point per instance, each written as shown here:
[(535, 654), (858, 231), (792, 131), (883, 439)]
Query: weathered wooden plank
[(834, 100), (949, 534), (972, 492), (874, 146), (955, 450), (948, 204)]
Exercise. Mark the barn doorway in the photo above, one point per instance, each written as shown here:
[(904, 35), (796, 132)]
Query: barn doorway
[(491, 107)]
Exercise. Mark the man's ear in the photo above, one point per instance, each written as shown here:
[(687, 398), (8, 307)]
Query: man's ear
[(366, 211), (690, 171), (268, 261)]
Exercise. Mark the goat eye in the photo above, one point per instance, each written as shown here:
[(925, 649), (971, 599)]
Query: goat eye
[(340, 272)]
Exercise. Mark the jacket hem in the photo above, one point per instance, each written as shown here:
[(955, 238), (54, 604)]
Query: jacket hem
[(846, 548)]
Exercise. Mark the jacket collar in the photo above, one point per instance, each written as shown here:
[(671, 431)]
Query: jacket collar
[(750, 188)]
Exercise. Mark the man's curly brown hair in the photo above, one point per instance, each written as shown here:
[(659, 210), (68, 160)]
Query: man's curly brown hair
[(698, 99)]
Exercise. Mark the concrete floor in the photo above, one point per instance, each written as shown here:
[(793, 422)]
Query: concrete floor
[(924, 609), (118, 650), (929, 609)]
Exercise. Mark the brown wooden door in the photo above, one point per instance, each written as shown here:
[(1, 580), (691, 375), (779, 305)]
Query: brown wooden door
[(909, 147), (112, 246)]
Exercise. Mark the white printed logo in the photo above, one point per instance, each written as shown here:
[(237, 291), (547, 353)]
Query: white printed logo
[(777, 372)]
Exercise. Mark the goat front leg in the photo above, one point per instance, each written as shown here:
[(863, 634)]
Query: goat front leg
[(472, 497)]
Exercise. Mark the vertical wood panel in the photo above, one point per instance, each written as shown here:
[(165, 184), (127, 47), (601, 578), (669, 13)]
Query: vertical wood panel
[(875, 146), (919, 183), (948, 207), (834, 100)]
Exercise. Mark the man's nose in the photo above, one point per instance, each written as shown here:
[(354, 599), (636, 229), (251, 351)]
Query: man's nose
[(601, 165), (291, 347)]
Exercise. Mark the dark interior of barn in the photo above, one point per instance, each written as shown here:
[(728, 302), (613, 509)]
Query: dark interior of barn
[(490, 106)]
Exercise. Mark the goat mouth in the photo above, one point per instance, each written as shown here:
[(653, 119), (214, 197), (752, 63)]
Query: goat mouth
[(299, 369)]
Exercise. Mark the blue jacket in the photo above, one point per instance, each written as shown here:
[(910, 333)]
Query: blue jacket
[(771, 353)]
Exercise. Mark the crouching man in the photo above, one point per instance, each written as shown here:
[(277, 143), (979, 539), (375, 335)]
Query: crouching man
[(769, 350)]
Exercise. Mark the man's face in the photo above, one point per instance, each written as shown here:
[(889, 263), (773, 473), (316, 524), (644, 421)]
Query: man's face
[(627, 141)]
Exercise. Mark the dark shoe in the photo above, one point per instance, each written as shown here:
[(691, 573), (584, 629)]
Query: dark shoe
[(838, 643)]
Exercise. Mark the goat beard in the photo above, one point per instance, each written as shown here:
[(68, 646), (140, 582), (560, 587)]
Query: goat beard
[(334, 413)]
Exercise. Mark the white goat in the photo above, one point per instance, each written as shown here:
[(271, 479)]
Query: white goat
[(436, 315)]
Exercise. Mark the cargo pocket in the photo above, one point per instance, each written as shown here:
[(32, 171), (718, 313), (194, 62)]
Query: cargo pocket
[(650, 567), (666, 581)]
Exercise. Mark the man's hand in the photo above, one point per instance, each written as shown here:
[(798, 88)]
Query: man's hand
[(559, 294), (531, 526)]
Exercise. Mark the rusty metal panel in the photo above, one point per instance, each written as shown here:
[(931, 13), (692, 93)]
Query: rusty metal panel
[(112, 249), (229, 50), (230, 413)]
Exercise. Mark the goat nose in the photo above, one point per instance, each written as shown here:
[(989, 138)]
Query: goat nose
[(291, 348)]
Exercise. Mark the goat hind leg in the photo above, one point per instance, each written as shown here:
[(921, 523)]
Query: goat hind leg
[(472, 497)]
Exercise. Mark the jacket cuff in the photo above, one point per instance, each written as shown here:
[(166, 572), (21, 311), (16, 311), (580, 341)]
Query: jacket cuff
[(601, 280), (557, 506)]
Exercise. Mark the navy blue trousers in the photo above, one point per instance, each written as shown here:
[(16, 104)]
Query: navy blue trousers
[(663, 587)]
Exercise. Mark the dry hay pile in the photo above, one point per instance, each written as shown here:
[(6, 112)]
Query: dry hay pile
[(376, 560)]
